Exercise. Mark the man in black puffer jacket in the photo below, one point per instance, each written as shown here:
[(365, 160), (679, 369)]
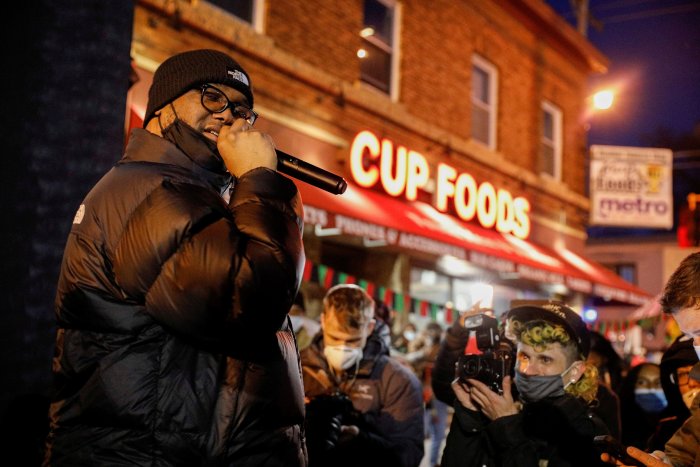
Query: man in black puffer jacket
[(173, 345)]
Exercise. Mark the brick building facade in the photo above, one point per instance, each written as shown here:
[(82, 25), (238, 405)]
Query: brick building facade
[(314, 95)]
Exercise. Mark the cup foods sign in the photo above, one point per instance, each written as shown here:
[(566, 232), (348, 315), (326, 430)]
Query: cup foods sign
[(401, 172), (631, 187)]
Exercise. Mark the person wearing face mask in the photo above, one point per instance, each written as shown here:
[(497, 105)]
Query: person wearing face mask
[(545, 419), (681, 300), (384, 425), (680, 390), (402, 342), (642, 404), (171, 349)]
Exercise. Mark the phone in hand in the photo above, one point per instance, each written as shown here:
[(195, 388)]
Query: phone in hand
[(615, 449)]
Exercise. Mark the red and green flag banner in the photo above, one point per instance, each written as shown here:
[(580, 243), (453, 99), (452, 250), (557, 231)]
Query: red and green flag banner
[(367, 286), (389, 298), (408, 303), (308, 269), (380, 295), (449, 315), (434, 307), (424, 307), (325, 276), (400, 302)]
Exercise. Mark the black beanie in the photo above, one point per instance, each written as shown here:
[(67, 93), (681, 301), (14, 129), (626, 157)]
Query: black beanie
[(188, 70)]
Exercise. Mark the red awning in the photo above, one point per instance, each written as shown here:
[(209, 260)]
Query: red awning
[(419, 226)]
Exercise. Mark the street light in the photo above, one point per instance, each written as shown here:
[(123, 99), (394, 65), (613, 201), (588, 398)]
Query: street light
[(602, 100)]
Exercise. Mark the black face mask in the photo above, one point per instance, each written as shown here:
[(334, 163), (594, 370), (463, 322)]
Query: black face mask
[(200, 149)]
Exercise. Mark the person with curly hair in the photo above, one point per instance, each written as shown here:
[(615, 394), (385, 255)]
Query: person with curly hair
[(543, 415)]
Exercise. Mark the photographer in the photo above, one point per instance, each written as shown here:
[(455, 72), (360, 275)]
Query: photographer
[(550, 423), (363, 405)]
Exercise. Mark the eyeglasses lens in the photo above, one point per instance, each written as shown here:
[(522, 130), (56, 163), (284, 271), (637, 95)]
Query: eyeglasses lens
[(216, 101)]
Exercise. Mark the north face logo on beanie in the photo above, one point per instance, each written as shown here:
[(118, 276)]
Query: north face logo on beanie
[(238, 75)]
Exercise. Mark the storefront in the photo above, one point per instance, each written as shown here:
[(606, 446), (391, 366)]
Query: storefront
[(432, 222), (403, 235), (448, 264)]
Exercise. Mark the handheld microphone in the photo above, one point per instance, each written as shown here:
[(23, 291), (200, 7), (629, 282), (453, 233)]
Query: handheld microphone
[(316, 176)]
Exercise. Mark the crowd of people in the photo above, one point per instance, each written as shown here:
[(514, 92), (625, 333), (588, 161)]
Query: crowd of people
[(183, 340)]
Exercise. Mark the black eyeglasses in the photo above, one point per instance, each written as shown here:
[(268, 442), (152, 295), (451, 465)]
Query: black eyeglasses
[(214, 100)]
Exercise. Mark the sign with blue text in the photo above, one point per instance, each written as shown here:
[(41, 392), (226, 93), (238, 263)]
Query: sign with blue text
[(631, 187)]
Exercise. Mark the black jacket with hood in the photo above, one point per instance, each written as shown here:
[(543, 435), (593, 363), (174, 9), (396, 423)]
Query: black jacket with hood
[(172, 345), (679, 354)]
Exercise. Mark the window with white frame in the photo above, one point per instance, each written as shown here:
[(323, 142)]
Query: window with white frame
[(250, 11), (551, 141), (378, 51), (484, 101)]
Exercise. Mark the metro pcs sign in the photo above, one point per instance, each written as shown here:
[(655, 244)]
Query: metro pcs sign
[(401, 172)]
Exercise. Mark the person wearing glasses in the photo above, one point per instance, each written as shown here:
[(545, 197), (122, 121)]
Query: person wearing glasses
[(681, 300), (173, 344)]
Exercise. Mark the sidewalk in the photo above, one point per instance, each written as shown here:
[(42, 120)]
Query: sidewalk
[(426, 457)]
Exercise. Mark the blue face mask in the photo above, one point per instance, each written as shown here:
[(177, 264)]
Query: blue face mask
[(650, 400)]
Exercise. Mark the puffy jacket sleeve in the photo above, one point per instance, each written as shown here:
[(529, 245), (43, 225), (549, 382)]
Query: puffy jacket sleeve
[(215, 273)]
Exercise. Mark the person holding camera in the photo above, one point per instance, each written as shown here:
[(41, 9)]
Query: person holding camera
[(363, 406), (539, 416)]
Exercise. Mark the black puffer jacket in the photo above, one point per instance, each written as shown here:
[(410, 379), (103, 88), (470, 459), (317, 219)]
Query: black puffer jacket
[(172, 346)]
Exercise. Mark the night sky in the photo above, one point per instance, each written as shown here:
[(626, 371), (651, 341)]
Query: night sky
[(654, 52)]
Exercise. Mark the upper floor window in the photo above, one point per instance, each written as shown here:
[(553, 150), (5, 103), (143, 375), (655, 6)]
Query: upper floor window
[(551, 141), (250, 11), (377, 53), (484, 101), (628, 271)]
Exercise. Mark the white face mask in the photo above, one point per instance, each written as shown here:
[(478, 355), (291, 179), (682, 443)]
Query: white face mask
[(689, 396), (409, 335), (342, 357)]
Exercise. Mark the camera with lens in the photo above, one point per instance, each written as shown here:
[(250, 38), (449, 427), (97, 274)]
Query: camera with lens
[(325, 414), (495, 359)]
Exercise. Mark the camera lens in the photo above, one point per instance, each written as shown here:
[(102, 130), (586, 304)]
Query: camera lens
[(472, 367)]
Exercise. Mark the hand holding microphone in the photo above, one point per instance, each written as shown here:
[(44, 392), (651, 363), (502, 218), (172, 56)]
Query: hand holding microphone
[(239, 139), (310, 174)]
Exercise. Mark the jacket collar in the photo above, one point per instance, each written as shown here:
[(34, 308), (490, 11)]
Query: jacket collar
[(370, 355), (144, 146)]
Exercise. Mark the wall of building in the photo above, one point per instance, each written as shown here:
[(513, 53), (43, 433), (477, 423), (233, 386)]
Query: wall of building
[(655, 260), (306, 79), (304, 67)]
